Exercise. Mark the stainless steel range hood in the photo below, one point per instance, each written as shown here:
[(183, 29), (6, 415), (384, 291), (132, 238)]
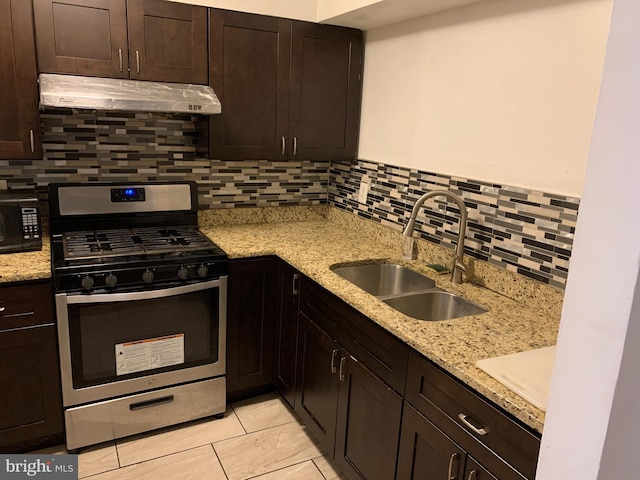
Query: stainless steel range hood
[(94, 93)]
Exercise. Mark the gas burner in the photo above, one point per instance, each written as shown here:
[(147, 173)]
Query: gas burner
[(102, 244)]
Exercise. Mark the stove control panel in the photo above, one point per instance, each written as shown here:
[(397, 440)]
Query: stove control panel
[(144, 277)]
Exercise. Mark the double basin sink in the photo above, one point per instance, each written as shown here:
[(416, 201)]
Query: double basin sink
[(407, 291)]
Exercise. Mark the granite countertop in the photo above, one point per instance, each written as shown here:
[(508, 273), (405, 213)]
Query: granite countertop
[(24, 266), (314, 246)]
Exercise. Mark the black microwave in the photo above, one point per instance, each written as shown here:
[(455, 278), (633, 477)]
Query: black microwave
[(20, 227)]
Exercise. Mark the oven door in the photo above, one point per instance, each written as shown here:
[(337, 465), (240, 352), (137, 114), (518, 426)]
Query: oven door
[(116, 344)]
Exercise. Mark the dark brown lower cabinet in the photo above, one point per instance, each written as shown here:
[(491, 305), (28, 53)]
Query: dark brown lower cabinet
[(378, 410), (353, 414), (251, 313), (30, 395), (426, 453), (286, 340), (369, 414), (318, 383)]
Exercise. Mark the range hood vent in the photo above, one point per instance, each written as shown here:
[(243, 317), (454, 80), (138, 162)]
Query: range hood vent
[(70, 91)]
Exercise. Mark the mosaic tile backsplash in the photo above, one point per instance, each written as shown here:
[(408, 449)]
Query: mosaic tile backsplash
[(521, 230), (119, 146), (524, 231)]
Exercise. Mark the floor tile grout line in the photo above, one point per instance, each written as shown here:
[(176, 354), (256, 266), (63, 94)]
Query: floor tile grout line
[(318, 468), (219, 461), (238, 417), (282, 468)]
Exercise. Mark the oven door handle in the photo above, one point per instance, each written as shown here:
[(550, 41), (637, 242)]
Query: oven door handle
[(144, 295)]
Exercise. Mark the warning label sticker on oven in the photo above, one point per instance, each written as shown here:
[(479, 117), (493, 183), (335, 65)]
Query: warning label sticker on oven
[(149, 353)]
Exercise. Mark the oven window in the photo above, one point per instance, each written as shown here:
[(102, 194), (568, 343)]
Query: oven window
[(120, 340)]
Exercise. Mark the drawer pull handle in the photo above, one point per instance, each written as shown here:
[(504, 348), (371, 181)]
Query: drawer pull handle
[(450, 474), (343, 362), (151, 403), (2, 309), (473, 475), (334, 355), (473, 428)]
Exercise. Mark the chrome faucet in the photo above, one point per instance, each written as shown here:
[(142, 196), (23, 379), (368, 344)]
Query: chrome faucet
[(409, 241)]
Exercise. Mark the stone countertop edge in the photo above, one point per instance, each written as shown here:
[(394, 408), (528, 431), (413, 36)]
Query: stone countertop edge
[(313, 246)]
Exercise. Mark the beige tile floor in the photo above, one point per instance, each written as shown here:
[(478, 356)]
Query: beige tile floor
[(260, 438)]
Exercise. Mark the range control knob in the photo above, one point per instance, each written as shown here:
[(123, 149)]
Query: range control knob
[(203, 270), (183, 272), (87, 282), (111, 280), (147, 276)]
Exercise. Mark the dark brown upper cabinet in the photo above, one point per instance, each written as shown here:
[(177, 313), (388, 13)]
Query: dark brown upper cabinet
[(19, 118), (288, 89), (138, 39)]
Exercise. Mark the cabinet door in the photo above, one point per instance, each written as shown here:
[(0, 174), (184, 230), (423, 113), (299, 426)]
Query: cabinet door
[(318, 383), (83, 37), (19, 117), (286, 340), (475, 471), (29, 388), (250, 322), (369, 416), (425, 452), (167, 41), (326, 64), (249, 58)]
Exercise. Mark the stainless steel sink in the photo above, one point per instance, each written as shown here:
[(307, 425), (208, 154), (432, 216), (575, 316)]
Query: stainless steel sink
[(385, 279), (407, 291), (434, 305)]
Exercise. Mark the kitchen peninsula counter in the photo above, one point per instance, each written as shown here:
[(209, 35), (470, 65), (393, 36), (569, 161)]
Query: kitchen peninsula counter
[(313, 245)]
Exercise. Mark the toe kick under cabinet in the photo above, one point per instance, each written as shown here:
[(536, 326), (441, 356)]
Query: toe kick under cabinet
[(382, 411)]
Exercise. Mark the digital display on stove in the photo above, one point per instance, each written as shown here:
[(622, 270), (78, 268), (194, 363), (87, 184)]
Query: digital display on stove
[(127, 194)]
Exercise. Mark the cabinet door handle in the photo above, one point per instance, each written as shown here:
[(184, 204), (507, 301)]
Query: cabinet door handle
[(120, 58), (295, 146), (283, 146), (473, 428), (294, 287), (473, 475), (32, 141), (343, 362), (2, 309), (450, 474), (334, 355), (138, 62)]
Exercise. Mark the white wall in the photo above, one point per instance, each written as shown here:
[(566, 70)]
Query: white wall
[(592, 427), (502, 90), (297, 9)]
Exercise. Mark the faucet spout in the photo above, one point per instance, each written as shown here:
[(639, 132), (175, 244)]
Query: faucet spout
[(458, 265)]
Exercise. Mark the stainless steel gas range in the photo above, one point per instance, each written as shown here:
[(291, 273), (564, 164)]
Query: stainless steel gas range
[(140, 298)]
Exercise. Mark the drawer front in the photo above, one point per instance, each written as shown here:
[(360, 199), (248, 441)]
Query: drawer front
[(124, 416), (25, 306), (380, 351), (471, 421)]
